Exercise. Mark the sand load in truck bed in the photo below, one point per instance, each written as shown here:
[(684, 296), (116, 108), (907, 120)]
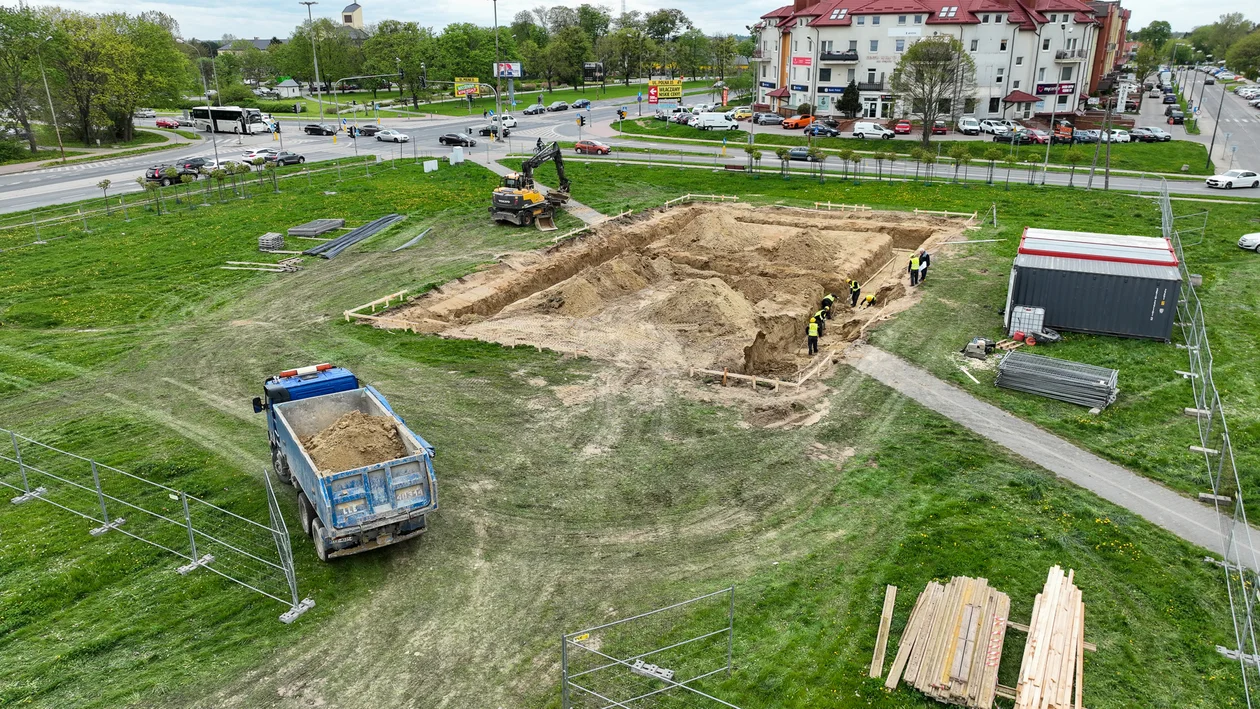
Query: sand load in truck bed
[(354, 441), (704, 285)]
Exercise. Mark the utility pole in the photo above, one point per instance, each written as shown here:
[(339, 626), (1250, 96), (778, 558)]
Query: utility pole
[(1215, 125), (48, 93), (498, 81), (315, 55), (1054, 107)]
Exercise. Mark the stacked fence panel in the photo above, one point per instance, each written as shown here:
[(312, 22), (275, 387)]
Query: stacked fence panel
[(1073, 382)]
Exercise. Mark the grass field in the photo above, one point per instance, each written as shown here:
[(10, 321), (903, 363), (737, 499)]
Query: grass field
[(572, 493), (1146, 157)]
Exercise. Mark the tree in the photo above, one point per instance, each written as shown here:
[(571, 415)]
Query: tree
[(1146, 63), (19, 69), (934, 76), (1229, 29), (567, 52), (538, 61), (850, 102), (784, 156), (464, 49), (594, 21), (804, 110), (666, 24), (1244, 56), (992, 155), (524, 28), (404, 46), (103, 186), (961, 155), (560, 17), (692, 52), (723, 49), (1073, 157), (1155, 34), (81, 53), (255, 65)]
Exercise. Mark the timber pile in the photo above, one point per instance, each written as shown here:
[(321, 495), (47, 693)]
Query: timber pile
[(1050, 674), (952, 643)]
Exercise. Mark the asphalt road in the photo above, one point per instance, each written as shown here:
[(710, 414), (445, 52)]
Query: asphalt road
[(1237, 126)]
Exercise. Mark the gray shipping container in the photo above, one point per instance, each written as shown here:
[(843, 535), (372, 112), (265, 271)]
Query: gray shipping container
[(1102, 297)]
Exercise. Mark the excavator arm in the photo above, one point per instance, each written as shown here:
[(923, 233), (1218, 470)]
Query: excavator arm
[(549, 152)]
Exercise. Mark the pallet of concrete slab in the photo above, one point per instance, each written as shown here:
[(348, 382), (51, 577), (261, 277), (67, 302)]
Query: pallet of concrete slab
[(952, 643), (1051, 672), (317, 227)]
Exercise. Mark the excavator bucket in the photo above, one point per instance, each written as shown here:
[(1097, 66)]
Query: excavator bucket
[(545, 222)]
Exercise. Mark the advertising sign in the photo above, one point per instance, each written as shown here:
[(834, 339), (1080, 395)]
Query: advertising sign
[(653, 95), (666, 90), (510, 70), (802, 61), (1063, 89), (767, 85), (465, 86)]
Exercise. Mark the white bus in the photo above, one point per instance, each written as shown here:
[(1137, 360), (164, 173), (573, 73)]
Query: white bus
[(230, 119)]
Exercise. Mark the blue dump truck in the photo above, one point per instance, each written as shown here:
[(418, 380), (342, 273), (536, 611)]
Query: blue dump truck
[(368, 492)]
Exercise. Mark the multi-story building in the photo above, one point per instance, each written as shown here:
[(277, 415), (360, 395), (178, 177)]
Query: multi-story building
[(1031, 56), (1112, 50)]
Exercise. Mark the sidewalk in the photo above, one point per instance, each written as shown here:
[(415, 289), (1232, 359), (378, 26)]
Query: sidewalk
[(172, 141), (1193, 522)]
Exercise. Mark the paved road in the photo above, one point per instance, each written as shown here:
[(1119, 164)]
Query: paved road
[(1242, 124), (1194, 522)]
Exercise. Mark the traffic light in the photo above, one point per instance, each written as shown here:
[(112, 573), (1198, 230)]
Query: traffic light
[(581, 120), (621, 114), (296, 109)]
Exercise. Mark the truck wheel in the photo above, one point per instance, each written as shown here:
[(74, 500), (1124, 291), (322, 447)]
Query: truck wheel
[(280, 464), (305, 513), (317, 535)]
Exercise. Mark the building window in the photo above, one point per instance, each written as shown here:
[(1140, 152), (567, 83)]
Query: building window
[(1002, 47), (1001, 70), (1045, 44), (1054, 19), (853, 45), (993, 105), (852, 75), (794, 43), (874, 45), (984, 19), (1015, 84), (839, 14), (763, 71), (824, 76), (807, 75), (997, 19), (901, 19), (969, 105), (825, 46), (1019, 61), (1041, 74), (975, 44), (348, 19), (1066, 74), (901, 45), (918, 19), (1063, 100), (809, 45), (875, 19), (861, 20)]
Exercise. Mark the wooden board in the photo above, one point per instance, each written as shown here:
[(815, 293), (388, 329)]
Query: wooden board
[(885, 623)]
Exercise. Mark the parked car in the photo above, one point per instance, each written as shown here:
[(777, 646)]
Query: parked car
[(319, 129), (263, 153), (194, 164), (534, 110), (1040, 137), (1161, 135), (767, 119), (968, 125), (681, 118), (1234, 178), (939, 128), (1116, 136), (285, 157), (864, 129), (507, 120), (1010, 124), (591, 147), (903, 128), (558, 106), (797, 122), (821, 130), (1176, 118), (1251, 242), (491, 129), (1170, 98), (741, 114), (392, 136), (167, 123), (369, 130), (456, 139), (989, 125), (800, 154), (712, 120), (1086, 136), (167, 175), (1155, 92), (1017, 137), (146, 113)]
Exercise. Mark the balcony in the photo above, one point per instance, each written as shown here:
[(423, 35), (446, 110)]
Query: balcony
[(761, 55), (1070, 55), (871, 85), (848, 57)]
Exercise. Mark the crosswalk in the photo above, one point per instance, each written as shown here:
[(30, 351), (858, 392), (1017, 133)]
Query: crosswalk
[(545, 133)]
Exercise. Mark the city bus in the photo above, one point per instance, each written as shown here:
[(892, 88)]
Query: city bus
[(230, 119)]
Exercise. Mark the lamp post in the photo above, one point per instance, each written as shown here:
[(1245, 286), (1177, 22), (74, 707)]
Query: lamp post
[(1216, 124), (205, 90), (48, 93), (498, 81), (1054, 107), (319, 91)]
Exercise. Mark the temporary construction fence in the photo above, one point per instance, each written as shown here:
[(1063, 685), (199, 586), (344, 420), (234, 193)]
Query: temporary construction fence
[(205, 536), (1238, 558), (1073, 382), (688, 198), (669, 649)]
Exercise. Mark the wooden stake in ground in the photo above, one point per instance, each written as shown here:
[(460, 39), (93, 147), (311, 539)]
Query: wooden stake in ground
[(881, 640)]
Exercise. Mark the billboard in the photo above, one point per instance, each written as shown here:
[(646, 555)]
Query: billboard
[(802, 61), (668, 90), (509, 70), (592, 72), (465, 86)]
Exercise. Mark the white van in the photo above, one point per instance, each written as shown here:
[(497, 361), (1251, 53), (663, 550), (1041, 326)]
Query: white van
[(968, 125), (864, 130), (714, 121)]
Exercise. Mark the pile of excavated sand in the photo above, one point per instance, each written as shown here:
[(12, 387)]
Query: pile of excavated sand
[(353, 441), (710, 286)]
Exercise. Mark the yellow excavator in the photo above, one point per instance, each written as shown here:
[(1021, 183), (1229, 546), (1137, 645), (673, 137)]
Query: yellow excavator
[(521, 202)]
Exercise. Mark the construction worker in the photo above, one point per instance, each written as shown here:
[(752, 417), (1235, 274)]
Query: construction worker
[(869, 301), (827, 301), (855, 291), (914, 269), (925, 260), (821, 318), (812, 333)]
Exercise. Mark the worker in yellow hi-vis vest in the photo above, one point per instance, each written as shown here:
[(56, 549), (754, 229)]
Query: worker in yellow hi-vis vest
[(855, 292), (914, 269), (813, 336), (868, 301)]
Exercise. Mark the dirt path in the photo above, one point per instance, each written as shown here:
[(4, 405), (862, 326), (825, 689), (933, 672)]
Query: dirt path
[(1155, 503)]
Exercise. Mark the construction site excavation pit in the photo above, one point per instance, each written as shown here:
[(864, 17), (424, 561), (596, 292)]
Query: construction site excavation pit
[(721, 286)]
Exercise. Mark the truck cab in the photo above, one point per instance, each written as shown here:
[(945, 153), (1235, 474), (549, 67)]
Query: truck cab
[(346, 511)]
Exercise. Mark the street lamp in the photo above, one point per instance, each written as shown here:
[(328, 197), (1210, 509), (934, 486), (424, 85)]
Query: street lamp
[(205, 90), (48, 93), (498, 80), (1054, 107), (319, 92), (214, 70)]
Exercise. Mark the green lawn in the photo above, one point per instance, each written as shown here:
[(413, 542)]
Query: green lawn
[(1146, 157), (571, 495), (24, 154)]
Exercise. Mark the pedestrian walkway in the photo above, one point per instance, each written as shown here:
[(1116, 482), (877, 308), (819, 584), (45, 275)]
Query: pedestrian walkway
[(1155, 503), (172, 140), (574, 207)]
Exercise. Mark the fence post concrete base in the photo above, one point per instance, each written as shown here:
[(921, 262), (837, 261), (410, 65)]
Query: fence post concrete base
[(28, 496), (189, 568), (296, 611), (113, 524)]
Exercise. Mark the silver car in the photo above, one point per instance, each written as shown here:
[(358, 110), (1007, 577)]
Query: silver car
[(392, 136)]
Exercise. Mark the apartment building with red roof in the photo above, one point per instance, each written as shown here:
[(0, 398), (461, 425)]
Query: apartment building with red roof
[(1031, 56)]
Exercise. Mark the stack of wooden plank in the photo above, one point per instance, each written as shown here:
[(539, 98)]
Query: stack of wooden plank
[(1050, 674), (952, 643)]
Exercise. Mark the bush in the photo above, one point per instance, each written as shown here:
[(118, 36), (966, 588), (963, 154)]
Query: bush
[(805, 110), (11, 150), (278, 106)]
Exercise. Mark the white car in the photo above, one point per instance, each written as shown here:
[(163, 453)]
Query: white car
[(991, 126), (263, 153), (393, 136), (1251, 242), (221, 164), (508, 121), (1234, 178), (1115, 136), (865, 130), (146, 113), (1010, 124)]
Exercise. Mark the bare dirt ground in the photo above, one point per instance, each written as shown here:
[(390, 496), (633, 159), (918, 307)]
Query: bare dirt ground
[(711, 286)]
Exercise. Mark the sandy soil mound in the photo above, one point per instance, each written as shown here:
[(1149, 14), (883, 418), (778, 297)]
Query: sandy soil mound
[(355, 440), (710, 286)]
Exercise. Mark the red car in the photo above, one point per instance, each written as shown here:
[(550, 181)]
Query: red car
[(1039, 136), (902, 128), (591, 147), (167, 123), (939, 128)]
